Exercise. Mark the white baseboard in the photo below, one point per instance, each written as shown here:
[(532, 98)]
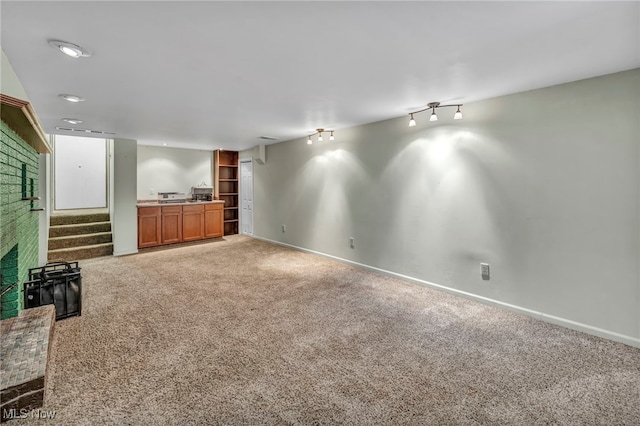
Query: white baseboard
[(573, 325), (125, 252)]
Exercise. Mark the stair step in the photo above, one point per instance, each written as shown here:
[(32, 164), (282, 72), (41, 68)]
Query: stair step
[(78, 253), (80, 229), (78, 218), (79, 240)]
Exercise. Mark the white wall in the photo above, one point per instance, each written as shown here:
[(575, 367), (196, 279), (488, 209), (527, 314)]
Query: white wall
[(9, 82), (163, 169), (542, 185), (125, 213)]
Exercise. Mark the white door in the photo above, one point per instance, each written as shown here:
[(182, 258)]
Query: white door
[(80, 172), (246, 194)]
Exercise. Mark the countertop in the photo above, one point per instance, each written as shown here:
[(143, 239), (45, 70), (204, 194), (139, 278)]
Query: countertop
[(153, 203)]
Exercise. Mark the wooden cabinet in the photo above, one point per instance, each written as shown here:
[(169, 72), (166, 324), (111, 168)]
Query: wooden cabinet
[(213, 223), (171, 224), (149, 226), (225, 187), (192, 222)]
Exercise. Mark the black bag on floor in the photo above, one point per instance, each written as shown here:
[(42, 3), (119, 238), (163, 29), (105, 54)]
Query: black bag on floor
[(57, 283)]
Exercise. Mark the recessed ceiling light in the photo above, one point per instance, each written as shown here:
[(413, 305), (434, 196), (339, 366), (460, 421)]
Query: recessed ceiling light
[(72, 98), (72, 120), (69, 49)]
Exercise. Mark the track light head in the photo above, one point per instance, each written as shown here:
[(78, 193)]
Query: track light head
[(458, 114), (309, 141), (331, 138), (412, 122)]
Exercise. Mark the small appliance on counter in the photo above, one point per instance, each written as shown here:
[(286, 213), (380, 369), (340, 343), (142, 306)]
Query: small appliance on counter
[(172, 197), (202, 193)]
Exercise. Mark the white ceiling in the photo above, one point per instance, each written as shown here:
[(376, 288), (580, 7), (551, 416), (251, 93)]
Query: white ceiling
[(219, 74)]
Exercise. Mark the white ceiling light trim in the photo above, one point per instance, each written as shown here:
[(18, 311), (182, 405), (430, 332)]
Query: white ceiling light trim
[(70, 49), (71, 98), (71, 120)]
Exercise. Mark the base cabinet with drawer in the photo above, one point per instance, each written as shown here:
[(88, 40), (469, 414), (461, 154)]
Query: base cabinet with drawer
[(171, 224), (213, 220), (192, 223), (149, 226), (158, 225)]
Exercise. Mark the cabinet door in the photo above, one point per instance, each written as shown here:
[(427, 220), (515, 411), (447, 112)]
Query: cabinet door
[(213, 221), (171, 224), (148, 227), (192, 223)]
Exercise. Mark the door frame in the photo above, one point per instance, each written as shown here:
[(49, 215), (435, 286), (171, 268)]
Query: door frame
[(241, 191), (108, 177)]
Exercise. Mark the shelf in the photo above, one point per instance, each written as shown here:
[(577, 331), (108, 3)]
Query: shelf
[(226, 187)]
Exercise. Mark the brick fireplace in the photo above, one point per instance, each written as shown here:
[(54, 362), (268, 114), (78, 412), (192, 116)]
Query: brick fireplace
[(19, 225), (26, 334)]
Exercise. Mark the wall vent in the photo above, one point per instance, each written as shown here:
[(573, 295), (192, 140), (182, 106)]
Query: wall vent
[(92, 132)]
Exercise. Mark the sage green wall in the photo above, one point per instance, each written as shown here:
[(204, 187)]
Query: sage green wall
[(542, 185), (124, 211)]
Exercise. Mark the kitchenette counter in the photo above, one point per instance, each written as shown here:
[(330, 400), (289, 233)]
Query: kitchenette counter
[(155, 203)]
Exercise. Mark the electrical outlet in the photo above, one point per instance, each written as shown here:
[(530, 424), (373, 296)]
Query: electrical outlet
[(484, 270), (352, 242), (284, 228)]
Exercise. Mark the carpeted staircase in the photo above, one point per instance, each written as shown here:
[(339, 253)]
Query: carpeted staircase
[(75, 237)]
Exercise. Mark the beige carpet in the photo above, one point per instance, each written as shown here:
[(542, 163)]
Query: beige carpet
[(245, 332)]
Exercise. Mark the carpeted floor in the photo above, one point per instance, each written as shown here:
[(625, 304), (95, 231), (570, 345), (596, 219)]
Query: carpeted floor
[(245, 332)]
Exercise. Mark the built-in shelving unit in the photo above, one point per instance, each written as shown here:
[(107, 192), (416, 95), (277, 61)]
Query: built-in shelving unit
[(225, 188)]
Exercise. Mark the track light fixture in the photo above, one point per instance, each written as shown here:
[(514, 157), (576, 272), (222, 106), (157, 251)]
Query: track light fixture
[(434, 117), (319, 133)]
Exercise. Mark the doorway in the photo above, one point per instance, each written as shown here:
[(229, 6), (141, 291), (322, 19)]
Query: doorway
[(246, 197), (80, 173)]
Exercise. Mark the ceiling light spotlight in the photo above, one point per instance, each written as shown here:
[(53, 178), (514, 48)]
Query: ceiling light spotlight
[(72, 120), (458, 114), (434, 117), (331, 138), (309, 141), (320, 136), (69, 49), (71, 98)]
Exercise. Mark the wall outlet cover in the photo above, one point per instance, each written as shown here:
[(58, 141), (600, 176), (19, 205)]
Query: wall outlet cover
[(484, 271)]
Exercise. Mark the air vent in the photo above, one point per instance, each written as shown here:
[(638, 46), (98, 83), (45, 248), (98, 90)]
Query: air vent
[(268, 138), (93, 132)]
